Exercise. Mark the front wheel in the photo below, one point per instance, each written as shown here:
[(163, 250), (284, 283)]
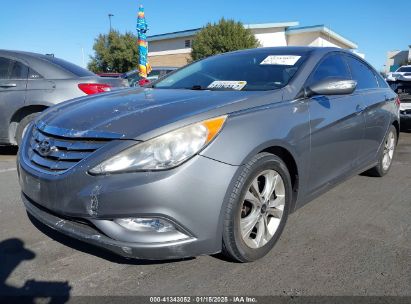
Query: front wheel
[(22, 127), (257, 209), (386, 154)]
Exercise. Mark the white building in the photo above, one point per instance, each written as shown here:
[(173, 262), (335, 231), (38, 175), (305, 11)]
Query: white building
[(395, 59), (173, 49)]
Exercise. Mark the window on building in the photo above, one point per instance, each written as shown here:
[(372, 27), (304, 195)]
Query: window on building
[(187, 43)]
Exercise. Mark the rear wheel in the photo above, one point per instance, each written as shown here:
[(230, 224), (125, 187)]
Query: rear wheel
[(258, 208), (386, 154), (22, 127)]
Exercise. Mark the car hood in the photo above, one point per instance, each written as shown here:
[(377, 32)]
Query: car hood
[(132, 113)]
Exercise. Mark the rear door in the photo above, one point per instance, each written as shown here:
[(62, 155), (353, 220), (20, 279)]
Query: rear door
[(337, 127), (13, 83), (376, 110)]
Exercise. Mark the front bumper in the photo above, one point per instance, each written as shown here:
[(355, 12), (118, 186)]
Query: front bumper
[(190, 196), (88, 234)]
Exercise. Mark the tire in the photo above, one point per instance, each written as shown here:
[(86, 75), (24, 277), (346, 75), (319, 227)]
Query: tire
[(244, 241), (387, 150), (21, 128)]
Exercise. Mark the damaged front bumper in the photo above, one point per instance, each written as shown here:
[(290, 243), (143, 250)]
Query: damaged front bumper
[(89, 234), (86, 207)]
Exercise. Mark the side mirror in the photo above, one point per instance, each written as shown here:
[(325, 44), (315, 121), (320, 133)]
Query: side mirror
[(331, 86)]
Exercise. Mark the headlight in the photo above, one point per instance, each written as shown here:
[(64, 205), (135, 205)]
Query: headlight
[(165, 151)]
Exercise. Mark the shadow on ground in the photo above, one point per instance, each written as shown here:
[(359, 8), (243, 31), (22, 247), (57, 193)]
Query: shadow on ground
[(93, 250), (12, 253)]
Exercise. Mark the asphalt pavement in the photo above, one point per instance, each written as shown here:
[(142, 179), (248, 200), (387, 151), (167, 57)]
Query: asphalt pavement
[(353, 240)]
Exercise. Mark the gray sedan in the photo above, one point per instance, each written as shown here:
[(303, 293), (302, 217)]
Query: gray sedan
[(214, 157), (30, 83)]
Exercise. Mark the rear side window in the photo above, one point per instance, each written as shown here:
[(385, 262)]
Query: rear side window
[(332, 66), (381, 82), (34, 75), (154, 74), (361, 73), (12, 69), (70, 67)]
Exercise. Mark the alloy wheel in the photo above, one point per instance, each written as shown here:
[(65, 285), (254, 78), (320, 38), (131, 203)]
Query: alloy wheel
[(388, 153), (262, 209)]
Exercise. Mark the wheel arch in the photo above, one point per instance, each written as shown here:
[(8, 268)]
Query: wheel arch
[(396, 124), (19, 115), (291, 164)]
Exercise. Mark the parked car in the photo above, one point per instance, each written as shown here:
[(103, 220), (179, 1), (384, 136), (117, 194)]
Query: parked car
[(214, 157), (135, 80), (400, 80), (405, 111), (30, 83)]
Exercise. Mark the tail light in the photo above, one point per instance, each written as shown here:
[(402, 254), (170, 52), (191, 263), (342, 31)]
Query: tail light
[(398, 101), (94, 88), (143, 82)]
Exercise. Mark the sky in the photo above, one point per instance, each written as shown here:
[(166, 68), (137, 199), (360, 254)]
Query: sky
[(67, 28)]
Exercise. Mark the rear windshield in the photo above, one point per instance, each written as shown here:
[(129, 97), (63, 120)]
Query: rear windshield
[(404, 69), (70, 67), (247, 71)]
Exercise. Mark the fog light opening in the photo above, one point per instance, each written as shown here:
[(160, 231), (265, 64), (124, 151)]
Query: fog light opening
[(146, 224)]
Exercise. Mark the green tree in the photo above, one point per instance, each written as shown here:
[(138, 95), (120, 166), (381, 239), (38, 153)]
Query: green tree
[(114, 52), (221, 37)]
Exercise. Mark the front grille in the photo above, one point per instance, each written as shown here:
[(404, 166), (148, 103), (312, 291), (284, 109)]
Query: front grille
[(57, 154)]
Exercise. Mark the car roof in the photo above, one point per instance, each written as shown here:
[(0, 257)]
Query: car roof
[(41, 63), (290, 50)]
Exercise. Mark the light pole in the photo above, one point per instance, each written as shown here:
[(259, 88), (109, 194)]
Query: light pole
[(109, 18)]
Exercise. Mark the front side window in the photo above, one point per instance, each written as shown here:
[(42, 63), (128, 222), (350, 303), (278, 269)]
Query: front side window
[(12, 69), (5, 68), (333, 66), (364, 76), (262, 70)]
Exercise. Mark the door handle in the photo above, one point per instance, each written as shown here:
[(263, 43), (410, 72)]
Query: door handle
[(8, 85)]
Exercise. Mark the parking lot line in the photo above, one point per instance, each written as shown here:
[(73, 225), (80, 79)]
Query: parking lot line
[(7, 170)]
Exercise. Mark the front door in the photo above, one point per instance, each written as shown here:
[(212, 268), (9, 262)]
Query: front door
[(337, 127)]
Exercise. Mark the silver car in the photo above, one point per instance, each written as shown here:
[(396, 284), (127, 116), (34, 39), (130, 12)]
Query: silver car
[(214, 157), (30, 83)]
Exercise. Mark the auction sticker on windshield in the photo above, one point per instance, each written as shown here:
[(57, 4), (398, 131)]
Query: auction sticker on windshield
[(227, 84), (281, 59)]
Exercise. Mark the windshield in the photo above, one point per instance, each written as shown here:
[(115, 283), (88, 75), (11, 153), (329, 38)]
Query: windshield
[(404, 69), (247, 71)]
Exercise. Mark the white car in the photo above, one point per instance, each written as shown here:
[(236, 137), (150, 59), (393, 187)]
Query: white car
[(401, 74), (400, 80)]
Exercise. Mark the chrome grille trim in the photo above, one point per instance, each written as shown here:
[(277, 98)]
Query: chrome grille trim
[(56, 154)]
